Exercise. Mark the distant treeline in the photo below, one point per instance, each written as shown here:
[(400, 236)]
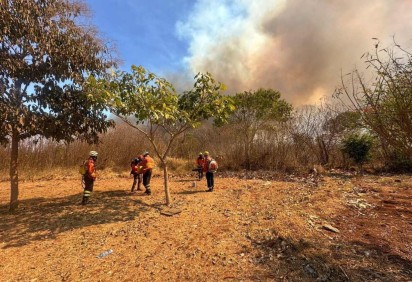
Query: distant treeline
[(306, 137)]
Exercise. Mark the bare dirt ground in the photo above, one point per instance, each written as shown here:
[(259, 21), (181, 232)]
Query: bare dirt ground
[(247, 230)]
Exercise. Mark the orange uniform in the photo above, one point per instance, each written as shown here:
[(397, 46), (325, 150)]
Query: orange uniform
[(147, 164), (136, 171), (91, 169), (209, 173), (200, 161), (89, 177), (206, 164)]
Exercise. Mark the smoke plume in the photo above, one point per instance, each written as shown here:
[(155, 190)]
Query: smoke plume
[(298, 47)]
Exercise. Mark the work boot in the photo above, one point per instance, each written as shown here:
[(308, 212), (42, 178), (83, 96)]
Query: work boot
[(85, 200), (148, 192)]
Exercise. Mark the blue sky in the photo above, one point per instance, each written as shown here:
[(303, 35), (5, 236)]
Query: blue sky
[(299, 47), (144, 31)]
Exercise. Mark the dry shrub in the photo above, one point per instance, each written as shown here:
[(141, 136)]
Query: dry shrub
[(319, 169), (179, 166), (286, 147), (116, 148), (60, 173)]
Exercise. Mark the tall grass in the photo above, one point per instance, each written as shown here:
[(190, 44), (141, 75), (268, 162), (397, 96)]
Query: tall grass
[(283, 147)]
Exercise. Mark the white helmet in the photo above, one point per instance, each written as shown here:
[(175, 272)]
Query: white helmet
[(93, 154)]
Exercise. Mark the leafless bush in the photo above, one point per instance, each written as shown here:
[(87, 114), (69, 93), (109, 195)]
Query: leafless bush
[(116, 148), (311, 137)]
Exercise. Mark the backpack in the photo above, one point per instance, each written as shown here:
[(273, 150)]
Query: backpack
[(213, 166), (82, 168)]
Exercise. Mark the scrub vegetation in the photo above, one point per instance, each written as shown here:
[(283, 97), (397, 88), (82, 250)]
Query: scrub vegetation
[(308, 193)]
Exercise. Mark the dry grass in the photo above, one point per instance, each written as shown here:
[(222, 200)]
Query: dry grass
[(246, 230), (176, 166), (61, 174)]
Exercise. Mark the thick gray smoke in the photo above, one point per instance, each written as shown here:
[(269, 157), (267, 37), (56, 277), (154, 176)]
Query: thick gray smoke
[(298, 47)]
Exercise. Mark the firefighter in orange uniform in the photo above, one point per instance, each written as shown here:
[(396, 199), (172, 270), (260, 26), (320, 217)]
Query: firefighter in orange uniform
[(90, 176), (136, 170), (147, 167), (210, 167), (200, 161)]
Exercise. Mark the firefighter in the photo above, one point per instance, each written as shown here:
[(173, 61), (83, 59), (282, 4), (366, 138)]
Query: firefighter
[(200, 161), (210, 167), (90, 176), (136, 170), (147, 167)]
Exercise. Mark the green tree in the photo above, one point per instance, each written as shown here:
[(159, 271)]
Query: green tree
[(357, 147), (44, 56), (344, 123), (385, 102), (257, 110), (151, 105), (337, 126)]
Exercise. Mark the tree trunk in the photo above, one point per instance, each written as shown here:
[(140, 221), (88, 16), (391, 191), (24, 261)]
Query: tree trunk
[(166, 181), (14, 176), (247, 155), (360, 168), (324, 154)]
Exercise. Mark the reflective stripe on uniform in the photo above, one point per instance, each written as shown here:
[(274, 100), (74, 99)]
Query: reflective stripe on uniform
[(87, 193)]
